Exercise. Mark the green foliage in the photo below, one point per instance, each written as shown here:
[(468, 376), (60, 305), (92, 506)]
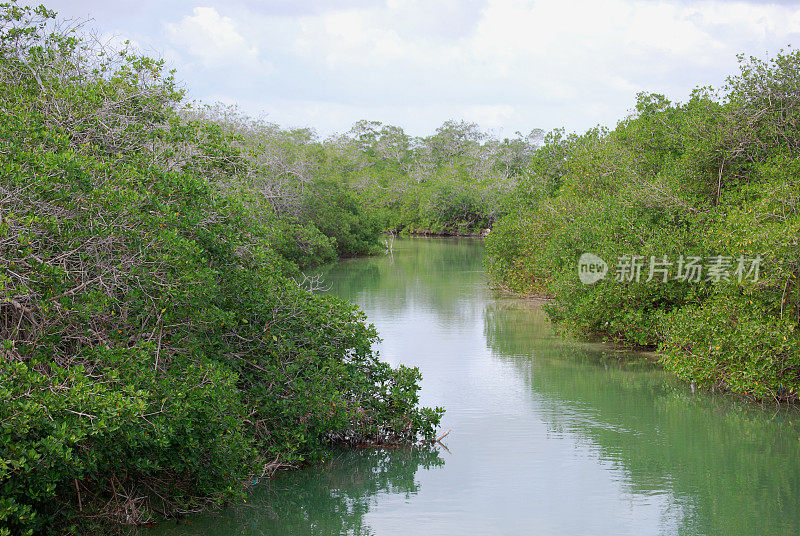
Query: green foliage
[(155, 352), (753, 352), (334, 210), (714, 176), (455, 182), (453, 209)]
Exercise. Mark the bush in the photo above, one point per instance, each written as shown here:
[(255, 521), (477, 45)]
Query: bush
[(714, 176), (154, 351)]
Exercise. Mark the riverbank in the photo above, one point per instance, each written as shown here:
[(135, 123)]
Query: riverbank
[(686, 212), (160, 347), (547, 431), (444, 234)]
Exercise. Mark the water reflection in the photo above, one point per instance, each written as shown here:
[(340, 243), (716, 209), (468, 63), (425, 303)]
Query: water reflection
[(394, 283), (549, 436), (329, 500), (730, 468)]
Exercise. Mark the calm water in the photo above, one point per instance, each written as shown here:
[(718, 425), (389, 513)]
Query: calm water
[(549, 436)]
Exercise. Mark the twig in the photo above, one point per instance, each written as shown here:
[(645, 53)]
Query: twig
[(78, 489), (158, 349)]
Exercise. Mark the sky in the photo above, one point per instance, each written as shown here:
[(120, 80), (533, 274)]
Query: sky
[(508, 65)]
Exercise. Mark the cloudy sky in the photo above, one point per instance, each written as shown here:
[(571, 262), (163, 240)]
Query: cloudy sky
[(509, 65)]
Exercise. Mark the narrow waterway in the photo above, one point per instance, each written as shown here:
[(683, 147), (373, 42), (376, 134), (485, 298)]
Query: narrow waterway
[(549, 436)]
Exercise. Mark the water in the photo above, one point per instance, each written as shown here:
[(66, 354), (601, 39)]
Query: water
[(548, 436)]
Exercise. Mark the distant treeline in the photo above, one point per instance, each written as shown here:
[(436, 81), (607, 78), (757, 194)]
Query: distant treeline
[(457, 181), (715, 180)]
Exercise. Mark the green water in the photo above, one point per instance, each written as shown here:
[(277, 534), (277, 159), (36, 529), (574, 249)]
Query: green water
[(549, 436)]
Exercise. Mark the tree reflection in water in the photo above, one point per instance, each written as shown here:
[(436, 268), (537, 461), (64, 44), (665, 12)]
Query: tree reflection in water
[(331, 499)]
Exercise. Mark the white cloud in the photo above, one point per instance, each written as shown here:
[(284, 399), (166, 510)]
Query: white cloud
[(488, 115), (212, 39), (516, 64), (582, 59)]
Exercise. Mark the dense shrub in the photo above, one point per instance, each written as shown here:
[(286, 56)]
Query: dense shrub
[(154, 351), (714, 176), (456, 181), (334, 209)]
